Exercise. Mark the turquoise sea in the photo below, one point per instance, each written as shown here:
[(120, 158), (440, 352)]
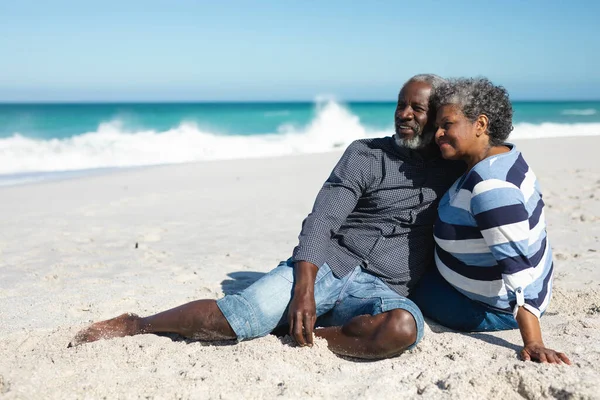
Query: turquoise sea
[(45, 141)]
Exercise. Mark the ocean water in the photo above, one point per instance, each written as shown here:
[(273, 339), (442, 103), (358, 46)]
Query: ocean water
[(51, 141)]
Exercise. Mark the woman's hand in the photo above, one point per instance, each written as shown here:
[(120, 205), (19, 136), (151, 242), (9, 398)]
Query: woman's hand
[(302, 313), (534, 349), (538, 352)]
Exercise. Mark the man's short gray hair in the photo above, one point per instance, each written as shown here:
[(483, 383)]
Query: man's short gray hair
[(435, 81)]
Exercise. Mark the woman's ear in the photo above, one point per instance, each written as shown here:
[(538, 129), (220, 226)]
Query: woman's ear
[(481, 125)]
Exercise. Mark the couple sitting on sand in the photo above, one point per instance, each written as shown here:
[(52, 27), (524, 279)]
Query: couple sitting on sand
[(445, 187)]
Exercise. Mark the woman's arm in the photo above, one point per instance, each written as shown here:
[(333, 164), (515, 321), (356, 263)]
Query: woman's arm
[(534, 349), (501, 215)]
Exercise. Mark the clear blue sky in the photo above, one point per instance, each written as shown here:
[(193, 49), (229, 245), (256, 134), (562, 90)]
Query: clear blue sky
[(291, 50)]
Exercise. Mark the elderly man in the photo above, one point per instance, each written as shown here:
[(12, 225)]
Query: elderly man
[(362, 248)]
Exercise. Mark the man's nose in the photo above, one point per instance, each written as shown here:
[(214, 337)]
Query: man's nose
[(405, 113)]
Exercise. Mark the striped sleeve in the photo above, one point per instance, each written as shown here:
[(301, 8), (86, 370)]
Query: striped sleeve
[(501, 215)]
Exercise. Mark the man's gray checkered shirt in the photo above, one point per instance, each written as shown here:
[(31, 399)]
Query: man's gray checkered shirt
[(377, 210)]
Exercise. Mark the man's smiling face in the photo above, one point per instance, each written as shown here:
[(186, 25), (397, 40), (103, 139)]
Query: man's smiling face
[(412, 114)]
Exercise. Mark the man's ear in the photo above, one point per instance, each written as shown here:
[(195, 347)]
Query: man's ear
[(481, 124)]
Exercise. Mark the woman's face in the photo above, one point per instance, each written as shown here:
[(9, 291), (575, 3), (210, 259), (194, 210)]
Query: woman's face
[(456, 136)]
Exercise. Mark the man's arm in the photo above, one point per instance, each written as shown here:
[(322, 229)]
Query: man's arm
[(336, 200), (302, 311), (338, 197)]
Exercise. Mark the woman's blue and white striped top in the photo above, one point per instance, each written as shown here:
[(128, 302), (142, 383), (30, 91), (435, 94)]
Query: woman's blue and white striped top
[(491, 242)]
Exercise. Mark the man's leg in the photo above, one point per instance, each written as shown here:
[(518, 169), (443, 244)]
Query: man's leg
[(200, 319), (370, 320), (254, 312), (262, 305), (375, 327), (372, 336)]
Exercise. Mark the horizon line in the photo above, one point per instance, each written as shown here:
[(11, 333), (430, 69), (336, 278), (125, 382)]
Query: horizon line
[(374, 101)]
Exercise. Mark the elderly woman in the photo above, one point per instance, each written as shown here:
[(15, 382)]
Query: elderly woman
[(493, 258)]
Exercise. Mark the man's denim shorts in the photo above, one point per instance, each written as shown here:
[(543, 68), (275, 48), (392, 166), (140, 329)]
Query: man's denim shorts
[(262, 307)]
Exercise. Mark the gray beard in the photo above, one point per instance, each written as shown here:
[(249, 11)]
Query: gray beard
[(417, 142)]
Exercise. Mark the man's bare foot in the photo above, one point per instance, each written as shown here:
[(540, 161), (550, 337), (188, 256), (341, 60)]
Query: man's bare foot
[(123, 325)]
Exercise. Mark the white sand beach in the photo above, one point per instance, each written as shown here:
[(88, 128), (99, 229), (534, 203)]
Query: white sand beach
[(68, 257)]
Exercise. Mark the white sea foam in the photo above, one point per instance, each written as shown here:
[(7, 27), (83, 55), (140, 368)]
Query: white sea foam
[(584, 111), (112, 146), (333, 127), (547, 129)]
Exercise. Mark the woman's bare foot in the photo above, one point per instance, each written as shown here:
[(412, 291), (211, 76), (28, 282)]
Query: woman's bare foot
[(123, 325)]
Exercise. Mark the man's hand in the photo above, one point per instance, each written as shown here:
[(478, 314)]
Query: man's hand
[(302, 313), (538, 352)]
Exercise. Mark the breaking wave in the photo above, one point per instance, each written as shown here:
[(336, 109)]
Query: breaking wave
[(333, 127)]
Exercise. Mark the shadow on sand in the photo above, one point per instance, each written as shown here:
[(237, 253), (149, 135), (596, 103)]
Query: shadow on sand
[(239, 281), (486, 337)]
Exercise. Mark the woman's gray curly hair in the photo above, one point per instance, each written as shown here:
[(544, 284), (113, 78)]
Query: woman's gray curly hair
[(476, 96)]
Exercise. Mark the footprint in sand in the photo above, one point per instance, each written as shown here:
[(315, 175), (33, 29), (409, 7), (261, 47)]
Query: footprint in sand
[(593, 309), (4, 385), (561, 256), (52, 278), (582, 217)]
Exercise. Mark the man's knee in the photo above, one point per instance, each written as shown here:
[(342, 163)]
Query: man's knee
[(397, 332)]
